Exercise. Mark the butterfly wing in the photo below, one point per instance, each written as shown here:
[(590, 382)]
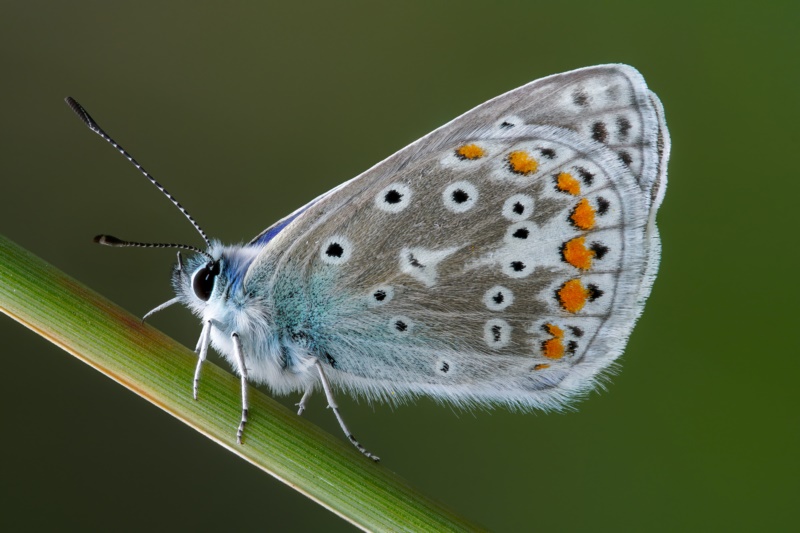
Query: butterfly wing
[(504, 258)]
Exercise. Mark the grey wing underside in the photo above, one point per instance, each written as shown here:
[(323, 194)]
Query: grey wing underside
[(403, 293)]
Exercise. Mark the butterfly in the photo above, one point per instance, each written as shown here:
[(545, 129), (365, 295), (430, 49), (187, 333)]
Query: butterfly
[(502, 259)]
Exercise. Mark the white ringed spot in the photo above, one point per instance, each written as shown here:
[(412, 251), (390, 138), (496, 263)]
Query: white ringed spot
[(393, 198), (444, 366), (517, 268), (336, 250), (520, 232), (497, 333), (401, 325), (518, 207), (460, 196), (498, 298), (381, 295)]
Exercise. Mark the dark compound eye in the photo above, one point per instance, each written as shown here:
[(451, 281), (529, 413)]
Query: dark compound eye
[(203, 280)]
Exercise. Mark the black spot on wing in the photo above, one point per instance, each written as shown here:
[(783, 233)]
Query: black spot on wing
[(334, 250), (460, 196), (599, 249), (623, 127), (602, 205), (393, 197), (594, 292), (572, 347), (586, 176), (580, 98), (549, 153), (599, 132)]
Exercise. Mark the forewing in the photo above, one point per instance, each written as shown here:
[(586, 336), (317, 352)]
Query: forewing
[(501, 258)]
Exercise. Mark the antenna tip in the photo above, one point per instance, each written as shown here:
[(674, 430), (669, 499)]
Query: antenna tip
[(82, 113), (72, 103), (108, 240)]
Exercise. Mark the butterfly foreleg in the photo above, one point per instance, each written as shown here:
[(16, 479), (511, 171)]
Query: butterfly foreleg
[(237, 351), (202, 353)]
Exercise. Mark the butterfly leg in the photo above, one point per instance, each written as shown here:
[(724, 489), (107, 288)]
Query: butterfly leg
[(202, 353), (302, 405), (332, 404), (237, 350)]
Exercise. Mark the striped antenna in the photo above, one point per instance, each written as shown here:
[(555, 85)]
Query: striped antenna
[(110, 240), (89, 121)]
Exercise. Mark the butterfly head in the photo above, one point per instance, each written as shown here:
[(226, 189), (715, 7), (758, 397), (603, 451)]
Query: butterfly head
[(213, 278), (200, 279)]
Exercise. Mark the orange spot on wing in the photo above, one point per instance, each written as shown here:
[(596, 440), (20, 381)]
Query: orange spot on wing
[(553, 348), (470, 151), (541, 366), (520, 162), (572, 295), (583, 215), (566, 183), (576, 254), (554, 330)]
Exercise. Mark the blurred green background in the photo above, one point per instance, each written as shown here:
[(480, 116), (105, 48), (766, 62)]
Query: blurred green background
[(700, 429)]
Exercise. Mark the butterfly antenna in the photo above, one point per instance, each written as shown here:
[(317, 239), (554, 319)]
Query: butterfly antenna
[(109, 240), (89, 121)]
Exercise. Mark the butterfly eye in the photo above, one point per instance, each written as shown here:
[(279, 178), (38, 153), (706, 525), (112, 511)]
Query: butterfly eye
[(203, 280)]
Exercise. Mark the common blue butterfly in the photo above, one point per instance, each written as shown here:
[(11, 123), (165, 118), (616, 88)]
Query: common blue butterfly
[(502, 259)]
